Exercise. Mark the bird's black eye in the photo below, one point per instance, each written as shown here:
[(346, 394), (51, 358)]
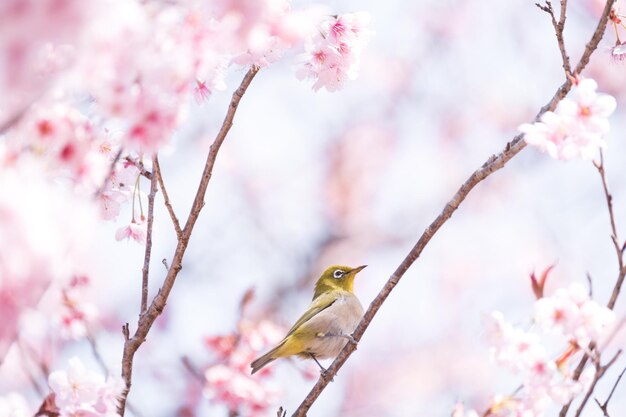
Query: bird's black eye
[(338, 273)]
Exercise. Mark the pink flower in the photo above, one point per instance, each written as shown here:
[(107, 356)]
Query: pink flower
[(572, 313), (577, 126), (135, 231), (201, 92), (333, 56), (512, 347), (238, 390), (589, 108), (80, 392)]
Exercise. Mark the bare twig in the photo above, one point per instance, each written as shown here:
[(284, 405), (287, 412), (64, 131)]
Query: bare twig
[(600, 371), (145, 272), (604, 406), (494, 163), (156, 168), (614, 236), (157, 305), (195, 372), (558, 29), (139, 165), (96, 353), (164, 262)]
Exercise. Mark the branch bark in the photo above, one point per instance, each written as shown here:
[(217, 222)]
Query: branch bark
[(604, 406), (147, 319), (600, 371), (146, 261), (157, 171), (558, 29), (494, 163)]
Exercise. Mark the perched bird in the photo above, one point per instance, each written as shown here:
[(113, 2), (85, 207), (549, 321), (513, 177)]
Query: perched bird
[(328, 323)]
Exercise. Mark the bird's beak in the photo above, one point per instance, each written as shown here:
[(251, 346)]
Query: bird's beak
[(358, 269)]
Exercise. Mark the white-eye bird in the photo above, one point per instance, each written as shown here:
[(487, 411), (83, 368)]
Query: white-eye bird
[(328, 323)]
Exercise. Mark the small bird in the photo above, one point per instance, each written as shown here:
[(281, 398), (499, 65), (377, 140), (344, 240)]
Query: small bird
[(328, 323)]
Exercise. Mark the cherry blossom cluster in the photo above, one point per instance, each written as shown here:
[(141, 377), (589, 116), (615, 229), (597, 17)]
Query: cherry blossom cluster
[(37, 247), (577, 127), (77, 314), (85, 86), (81, 392), (571, 318), (333, 55), (228, 380)]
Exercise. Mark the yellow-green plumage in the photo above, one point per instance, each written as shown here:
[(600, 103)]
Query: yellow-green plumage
[(325, 327)]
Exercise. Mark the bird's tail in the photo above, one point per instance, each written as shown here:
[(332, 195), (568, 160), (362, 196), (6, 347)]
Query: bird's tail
[(259, 363)]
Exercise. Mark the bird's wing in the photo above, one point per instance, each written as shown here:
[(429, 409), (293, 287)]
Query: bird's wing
[(318, 305)]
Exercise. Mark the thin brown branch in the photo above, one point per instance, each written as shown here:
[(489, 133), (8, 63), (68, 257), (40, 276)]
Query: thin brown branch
[(156, 168), (145, 272), (195, 372), (604, 406), (157, 305), (96, 352), (600, 371), (494, 163), (558, 30), (614, 237), (139, 165)]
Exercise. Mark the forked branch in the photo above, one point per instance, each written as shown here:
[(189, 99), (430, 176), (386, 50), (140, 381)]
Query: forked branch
[(147, 318)]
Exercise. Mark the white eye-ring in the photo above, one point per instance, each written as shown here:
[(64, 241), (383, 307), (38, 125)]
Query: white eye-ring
[(338, 273)]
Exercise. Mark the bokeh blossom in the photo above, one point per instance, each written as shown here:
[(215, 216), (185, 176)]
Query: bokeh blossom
[(228, 379), (81, 392)]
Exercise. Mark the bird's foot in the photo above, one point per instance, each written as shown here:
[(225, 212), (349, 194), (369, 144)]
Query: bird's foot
[(326, 375), (350, 338)]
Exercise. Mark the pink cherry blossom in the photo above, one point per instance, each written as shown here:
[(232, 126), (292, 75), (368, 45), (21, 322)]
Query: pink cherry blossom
[(79, 391), (572, 313), (39, 243), (135, 230), (576, 128), (77, 313), (589, 108), (512, 347), (30, 30), (333, 55)]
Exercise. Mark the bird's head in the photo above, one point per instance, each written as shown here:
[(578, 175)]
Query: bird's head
[(336, 277)]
